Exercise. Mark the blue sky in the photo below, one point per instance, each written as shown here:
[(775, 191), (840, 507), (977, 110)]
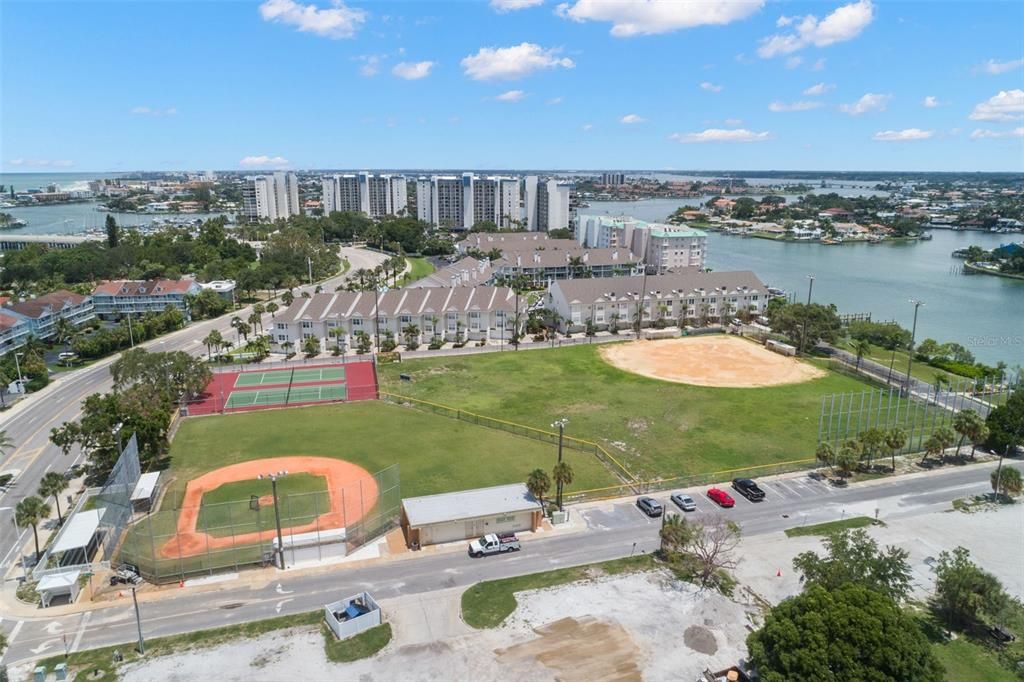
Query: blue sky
[(513, 84)]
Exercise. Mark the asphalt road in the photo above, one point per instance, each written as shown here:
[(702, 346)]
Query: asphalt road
[(613, 530), (29, 422)]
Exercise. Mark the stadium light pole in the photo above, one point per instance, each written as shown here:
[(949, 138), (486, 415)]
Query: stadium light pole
[(913, 333), (560, 424), (277, 513), (803, 334)]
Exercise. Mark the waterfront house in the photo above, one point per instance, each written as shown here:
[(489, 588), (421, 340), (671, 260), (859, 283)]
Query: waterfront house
[(123, 297), (41, 313)]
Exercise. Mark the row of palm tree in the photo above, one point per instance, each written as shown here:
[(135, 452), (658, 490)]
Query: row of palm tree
[(31, 511), (539, 483)]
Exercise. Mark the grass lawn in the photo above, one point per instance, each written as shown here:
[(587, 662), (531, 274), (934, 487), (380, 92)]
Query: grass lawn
[(830, 527), (655, 428), (919, 370), (435, 454), (225, 510), (363, 645), (488, 604), (964, 660), (418, 269)]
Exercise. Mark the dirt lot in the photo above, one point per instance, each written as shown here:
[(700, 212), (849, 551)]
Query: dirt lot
[(635, 627), (721, 361)]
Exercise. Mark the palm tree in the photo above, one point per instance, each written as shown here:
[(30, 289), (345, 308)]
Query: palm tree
[(64, 332), (861, 348), (937, 443), (562, 475), (980, 435), (213, 340), (965, 423), (272, 308), (244, 330), (255, 319), (236, 322), (53, 484), (538, 484), (287, 298), (848, 456), (411, 334), (29, 512), (259, 309), (871, 441), (895, 440), (675, 535), (826, 454), (311, 346)]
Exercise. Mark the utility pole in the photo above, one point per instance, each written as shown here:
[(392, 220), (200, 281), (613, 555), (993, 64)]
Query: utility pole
[(309, 263), (17, 365), (131, 334), (913, 335), (138, 623), (560, 424), (277, 513), (807, 310)]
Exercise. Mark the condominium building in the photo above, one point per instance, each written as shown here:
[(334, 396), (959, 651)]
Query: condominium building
[(14, 331), (270, 197), (613, 179), (547, 204), (460, 202), (373, 195), (542, 259), (39, 315), (665, 300), (113, 299), (663, 247), (476, 313)]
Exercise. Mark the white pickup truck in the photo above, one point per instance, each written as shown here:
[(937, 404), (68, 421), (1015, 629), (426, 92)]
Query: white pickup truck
[(493, 544)]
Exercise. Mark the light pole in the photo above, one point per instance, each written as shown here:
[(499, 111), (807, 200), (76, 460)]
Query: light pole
[(309, 263), (560, 424), (277, 513), (17, 365), (138, 623), (131, 334), (803, 334), (913, 334)]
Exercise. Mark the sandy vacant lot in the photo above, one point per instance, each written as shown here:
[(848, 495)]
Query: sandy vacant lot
[(721, 361), (643, 626)]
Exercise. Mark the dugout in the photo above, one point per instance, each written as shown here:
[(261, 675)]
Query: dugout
[(145, 492), (449, 517)]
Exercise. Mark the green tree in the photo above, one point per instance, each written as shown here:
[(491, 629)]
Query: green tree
[(848, 456), (29, 512), (849, 634), (852, 556), (272, 308), (213, 340), (861, 348), (287, 298), (538, 484), (871, 441), (895, 440), (676, 536), (937, 443), (1006, 424), (807, 325), (311, 346), (1006, 480), (825, 454), (173, 376), (562, 475), (966, 423), (965, 594), (113, 232), (53, 484), (5, 382)]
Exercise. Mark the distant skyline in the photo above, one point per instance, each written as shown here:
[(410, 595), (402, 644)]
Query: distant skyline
[(511, 84)]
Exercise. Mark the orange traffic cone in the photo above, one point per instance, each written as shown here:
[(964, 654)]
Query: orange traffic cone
[(181, 583), (778, 573)]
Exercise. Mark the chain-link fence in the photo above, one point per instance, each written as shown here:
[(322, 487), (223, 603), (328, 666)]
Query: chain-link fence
[(177, 542)]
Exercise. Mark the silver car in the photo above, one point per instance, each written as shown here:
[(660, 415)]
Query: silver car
[(684, 502)]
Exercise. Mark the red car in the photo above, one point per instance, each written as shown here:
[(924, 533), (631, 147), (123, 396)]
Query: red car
[(720, 497)]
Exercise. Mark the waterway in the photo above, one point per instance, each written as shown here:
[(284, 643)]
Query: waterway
[(983, 312)]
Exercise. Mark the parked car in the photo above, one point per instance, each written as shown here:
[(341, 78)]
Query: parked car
[(650, 506), (684, 502), (748, 489), (720, 497)]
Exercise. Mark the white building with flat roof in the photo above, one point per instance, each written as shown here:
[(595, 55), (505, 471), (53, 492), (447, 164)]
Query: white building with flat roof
[(663, 247), (270, 197), (547, 204), (367, 193)]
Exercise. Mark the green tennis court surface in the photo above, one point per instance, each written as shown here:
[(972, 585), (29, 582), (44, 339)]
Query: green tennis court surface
[(283, 376), (281, 396)]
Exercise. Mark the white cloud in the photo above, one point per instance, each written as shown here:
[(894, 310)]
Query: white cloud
[(513, 5), (980, 134), (587, 127), (994, 68), (554, 100), (785, 21), (650, 17), (905, 135), (1008, 105), (819, 89), (263, 161), (793, 62), (511, 96), (720, 135), (512, 63), (154, 111), (930, 102), (47, 163), (371, 64), (630, 119), (337, 21), (711, 87), (412, 71), (866, 104), (845, 23), (779, 107), (819, 65)]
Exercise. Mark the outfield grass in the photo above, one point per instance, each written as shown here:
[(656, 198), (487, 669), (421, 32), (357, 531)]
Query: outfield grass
[(225, 510), (435, 454), (830, 526), (488, 604), (665, 429)]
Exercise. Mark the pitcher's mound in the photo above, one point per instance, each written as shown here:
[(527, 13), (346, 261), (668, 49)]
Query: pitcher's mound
[(722, 361)]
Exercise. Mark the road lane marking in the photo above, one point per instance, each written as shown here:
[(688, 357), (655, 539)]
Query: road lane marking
[(14, 632), (81, 631)]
